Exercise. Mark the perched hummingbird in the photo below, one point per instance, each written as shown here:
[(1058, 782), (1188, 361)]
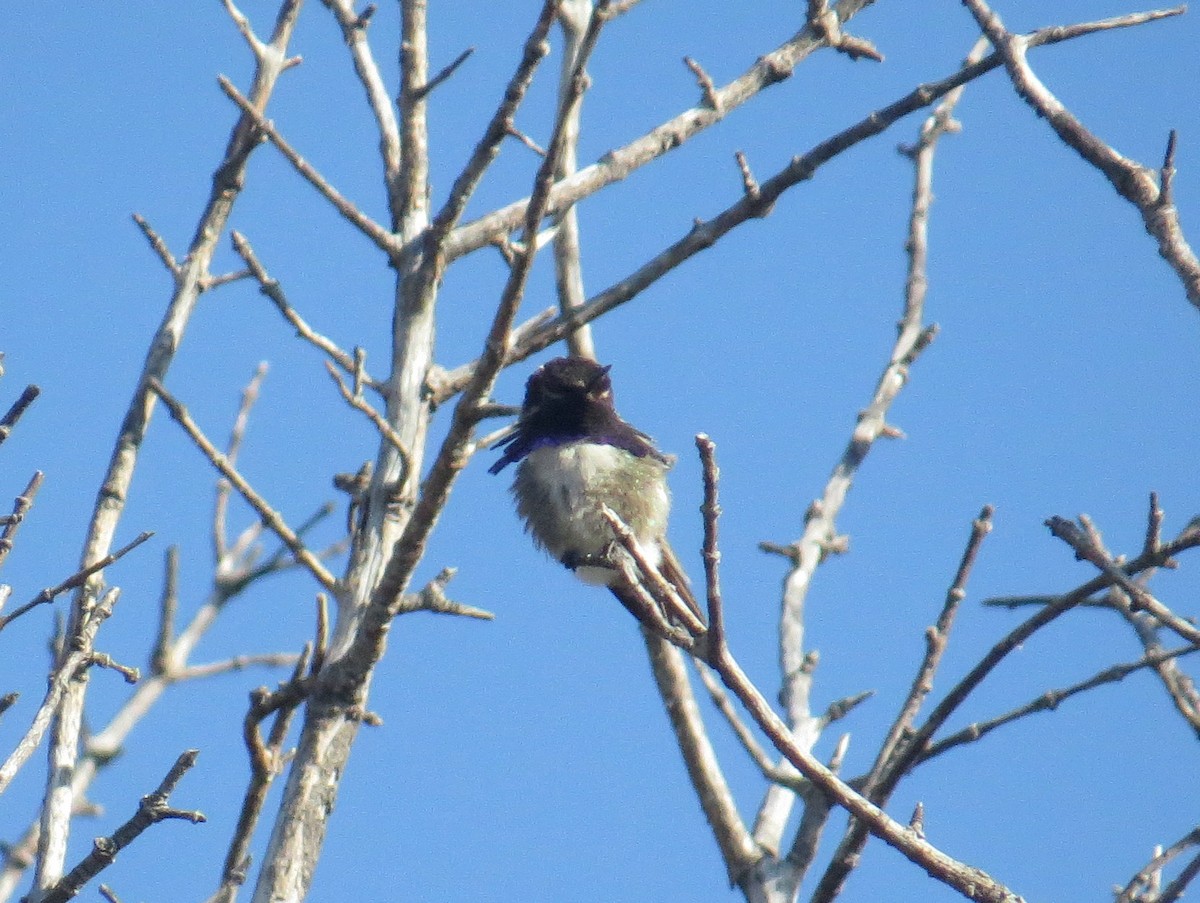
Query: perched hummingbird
[(577, 455)]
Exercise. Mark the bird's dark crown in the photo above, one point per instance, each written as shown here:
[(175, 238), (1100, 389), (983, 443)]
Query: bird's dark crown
[(568, 399)]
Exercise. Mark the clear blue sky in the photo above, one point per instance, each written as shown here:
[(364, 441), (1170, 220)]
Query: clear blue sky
[(529, 759)]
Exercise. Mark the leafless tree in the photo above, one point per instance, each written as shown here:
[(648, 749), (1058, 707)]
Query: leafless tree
[(361, 588)]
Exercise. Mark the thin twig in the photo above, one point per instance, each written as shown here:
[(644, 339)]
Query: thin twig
[(158, 244), (270, 517), (272, 289), (1147, 189), (21, 505), (65, 672), (705, 234), (228, 180), (75, 580), (19, 407), (382, 237), (445, 73), (152, 809), (1050, 700), (936, 640), (769, 69), (409, 548), (232, 449), (359, 403)]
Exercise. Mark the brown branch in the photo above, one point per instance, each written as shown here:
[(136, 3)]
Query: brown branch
[(19, 407), (152, 809), (1149, 191), (266, 763), (704, 234), (1130, 893), (1050, 700), (936, 639), (1140, 599), (273, 291), (738, 850), (445, 73), (500, 125), (12, 523), (76, 580), (410, 547), (820, 536), (360, 404), (382, 237), (971, 882), (271, 61), (270, 517), (769, 69)]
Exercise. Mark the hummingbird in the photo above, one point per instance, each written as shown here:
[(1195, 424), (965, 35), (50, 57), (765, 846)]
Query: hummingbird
[(575, 456)]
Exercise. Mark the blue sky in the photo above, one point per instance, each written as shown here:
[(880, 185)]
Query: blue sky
[(529, 758)]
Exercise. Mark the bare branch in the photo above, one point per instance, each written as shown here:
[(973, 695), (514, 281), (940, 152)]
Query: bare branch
[(227, 183), (738, 850), (232, 449), (76, 580), (158, 244), (1147, 190), (359, 403), (12, 523), (382, 238), (272, 289), (354, 32), (432, 597), (769, 69), (152, 809), (63, 676), (19, 407), (1050, 700), (1087, 549), (500, 125), (273, 520), (445, 73), (1142, 878)]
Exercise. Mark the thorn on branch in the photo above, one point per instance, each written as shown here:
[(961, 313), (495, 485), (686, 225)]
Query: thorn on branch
[(704, 80)]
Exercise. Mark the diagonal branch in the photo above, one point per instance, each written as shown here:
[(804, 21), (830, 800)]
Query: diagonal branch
[(749, 207), (273, 520), (769, 69), (271, 61), (382, 238), (1148, 190), (1050, 700), (21, 505)]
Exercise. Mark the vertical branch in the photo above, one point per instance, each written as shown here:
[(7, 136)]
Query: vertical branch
[(573, 16), (271, 61), (912, 337), (354, 31)]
